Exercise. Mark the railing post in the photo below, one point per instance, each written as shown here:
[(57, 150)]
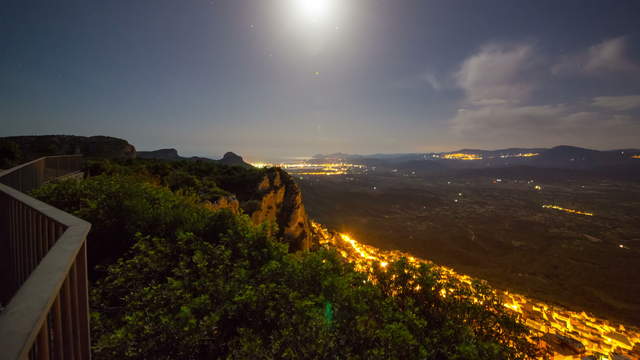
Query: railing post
[(67, 321), (5, 249), (42, 344), (83, 302), (21, 243), (57, 330)]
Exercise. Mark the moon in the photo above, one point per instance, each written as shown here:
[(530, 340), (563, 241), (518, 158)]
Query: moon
[(314, 10)]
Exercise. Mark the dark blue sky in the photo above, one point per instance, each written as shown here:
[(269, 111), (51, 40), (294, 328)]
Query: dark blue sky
[(267, 79)]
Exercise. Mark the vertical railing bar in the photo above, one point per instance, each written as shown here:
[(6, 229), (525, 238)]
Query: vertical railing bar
[(5, 256), (16, 239), (32, 239), (12, 242), (21, 246), (30, 243), (50, 335), (75, 308), (16, 243), (37, 223), (43, 342), (45, 235), (57, 329), (67, 321), (83, 300), (27, 243), (44, 229)]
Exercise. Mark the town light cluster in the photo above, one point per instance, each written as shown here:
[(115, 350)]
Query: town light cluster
[(305, 168), (555, 328), (462, 156), (571, 211), (519, 155)]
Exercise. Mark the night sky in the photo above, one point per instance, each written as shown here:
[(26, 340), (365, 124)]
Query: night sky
[(277, 78)]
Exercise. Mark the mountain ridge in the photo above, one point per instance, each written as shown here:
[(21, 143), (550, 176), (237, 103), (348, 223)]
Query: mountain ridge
[(229, 158), (557, 157)]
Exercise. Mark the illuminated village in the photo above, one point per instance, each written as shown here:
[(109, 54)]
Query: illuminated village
[(571, 211), (305, 168), (471, 156), (562, 333), (461, 156)]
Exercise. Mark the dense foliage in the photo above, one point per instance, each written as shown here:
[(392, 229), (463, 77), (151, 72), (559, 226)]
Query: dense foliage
[(205, 179), (10, 154), (194, 284), (118, 207)]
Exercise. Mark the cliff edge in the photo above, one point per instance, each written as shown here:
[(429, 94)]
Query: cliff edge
[(280, 201)]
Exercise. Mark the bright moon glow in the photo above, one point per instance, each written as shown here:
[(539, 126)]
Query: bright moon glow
[(314, 10)]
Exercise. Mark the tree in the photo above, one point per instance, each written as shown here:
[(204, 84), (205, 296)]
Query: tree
[(10, 154)]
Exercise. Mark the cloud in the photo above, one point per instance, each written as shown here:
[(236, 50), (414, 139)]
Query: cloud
[(501, 118), (500, 83), (544, 125), (433, 81), (617, 103), (420, 81), (499, 74), (609, 56)]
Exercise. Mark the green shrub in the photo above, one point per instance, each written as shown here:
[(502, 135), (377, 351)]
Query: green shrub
[(10, 154), (239, 294), (118, 207)]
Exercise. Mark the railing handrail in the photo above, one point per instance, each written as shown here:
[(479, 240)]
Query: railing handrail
[(27, 311), (18, 167)]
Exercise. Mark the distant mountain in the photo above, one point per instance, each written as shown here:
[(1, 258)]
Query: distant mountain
[(559, 157), (579, 158), (232, 159), (229, 158), (162, 154)]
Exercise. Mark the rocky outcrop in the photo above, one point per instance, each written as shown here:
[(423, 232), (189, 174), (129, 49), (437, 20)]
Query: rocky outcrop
[(162, 154), (33, 147), (224, 202), (280, 201), (229, 158), (232, 159)]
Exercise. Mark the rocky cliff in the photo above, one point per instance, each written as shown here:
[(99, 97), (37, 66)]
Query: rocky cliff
[(224, 202), (279, 200), (229, 158), (32, 147), (232, 159)]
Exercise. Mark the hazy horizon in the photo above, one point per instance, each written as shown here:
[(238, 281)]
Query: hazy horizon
[(292, 158)]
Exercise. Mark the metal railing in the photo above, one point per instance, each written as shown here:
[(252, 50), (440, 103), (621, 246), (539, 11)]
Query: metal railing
[(43, 268)]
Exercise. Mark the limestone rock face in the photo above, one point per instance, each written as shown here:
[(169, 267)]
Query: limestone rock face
[(233, 159), (281, 203), (224, 202)]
